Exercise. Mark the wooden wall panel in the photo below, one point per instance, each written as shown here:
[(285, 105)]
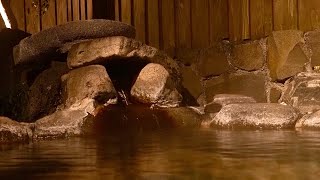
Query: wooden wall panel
[(18, 11), (219, 26), (268, 17), (239, 20), (257, 19), (83, 13), (32, 8), (126, 11), (285, 14), (2, 25), (309, 14), (153, 36), (183, 23), (200, 23), (69, 5), (48, 16), (75, 10), (116, 10), (167, 26), (89, 9), (62, 11), (139, 12)]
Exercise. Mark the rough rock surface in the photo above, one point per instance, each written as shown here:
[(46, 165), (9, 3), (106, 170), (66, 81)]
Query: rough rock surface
[(256, 115), (248, 56), (43, 44), (303, 92), (100, 51), (87, 82), (184, 116), (74, 121), (154, 86), (309, 121), (44, 94), (191, 82), (12, 131), (285, 54), (248, 84), (213, 61), (313, 42)]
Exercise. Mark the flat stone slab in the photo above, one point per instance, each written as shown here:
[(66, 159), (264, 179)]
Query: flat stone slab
[(256, 116), (41, 45), (12, 131), (100, 51)]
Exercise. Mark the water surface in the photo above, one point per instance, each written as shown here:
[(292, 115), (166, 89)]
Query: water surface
[(168, 154)]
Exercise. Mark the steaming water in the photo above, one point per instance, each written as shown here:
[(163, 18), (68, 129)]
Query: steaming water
[(168, 154)]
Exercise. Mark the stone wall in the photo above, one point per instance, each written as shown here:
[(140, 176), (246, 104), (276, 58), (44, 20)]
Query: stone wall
[(259, 68)]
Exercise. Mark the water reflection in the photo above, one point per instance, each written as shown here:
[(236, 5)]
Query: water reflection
[(168, 154)]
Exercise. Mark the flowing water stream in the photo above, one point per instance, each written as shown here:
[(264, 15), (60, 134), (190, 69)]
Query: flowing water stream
[(168, 154)]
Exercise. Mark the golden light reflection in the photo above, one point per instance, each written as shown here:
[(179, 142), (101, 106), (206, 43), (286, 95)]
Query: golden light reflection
[(4, 16)]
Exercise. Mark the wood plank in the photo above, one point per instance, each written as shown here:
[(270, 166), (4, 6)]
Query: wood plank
[(153, 23), (285, 14), (183, 23), (48, 17), (117, 10), (219, 26), (83, 13), (200, 23), (75, 10), (89, 9), (309, 15), (126, 11), (2, 24), (18, 21), (239, 20), (168, 26), (139, 11), (32, 16), (257, 19), (268, 17), (70, 16), (62, 11)]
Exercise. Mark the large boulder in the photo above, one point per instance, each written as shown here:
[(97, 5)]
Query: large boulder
[(213, 61), (256, 115), (303, 92), (101, 51), (191, 81), (249, 56), (41, 45), (154, 85), (12, 131), (88, 82), (44, 94), (286, 56), (76, 120), (248, 84), (309, 121)]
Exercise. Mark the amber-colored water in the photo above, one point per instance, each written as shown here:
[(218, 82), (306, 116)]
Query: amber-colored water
[(168, 154)]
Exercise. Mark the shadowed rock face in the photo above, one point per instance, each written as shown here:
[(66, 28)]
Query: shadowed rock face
[(45, 43)]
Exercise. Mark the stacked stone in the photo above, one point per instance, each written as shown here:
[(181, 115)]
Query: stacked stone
[(69, 94)]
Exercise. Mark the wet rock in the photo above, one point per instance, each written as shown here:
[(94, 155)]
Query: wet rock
[(256, 115), (87, 82), (213, 61), (155, 86), (12, 131), (313, 42), (247, 84), (248, 56), (309, 121), (41, 45), (187, 56), (45, 93), (184, 116), (191, 82), (285, 54), (274, 95), (303, 92), (100, 51), (76, 120)]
